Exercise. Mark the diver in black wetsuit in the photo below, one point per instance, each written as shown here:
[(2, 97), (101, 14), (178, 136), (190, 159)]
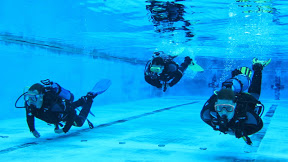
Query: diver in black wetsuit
[(164, 16), (53, 104), (233, 111), (163, 72)]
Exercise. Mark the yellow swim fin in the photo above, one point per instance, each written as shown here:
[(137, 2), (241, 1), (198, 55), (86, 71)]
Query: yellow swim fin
[(195, 67), (264, 63)]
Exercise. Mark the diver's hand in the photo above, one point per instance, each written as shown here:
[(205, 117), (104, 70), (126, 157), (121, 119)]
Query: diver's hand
[(165, 86), (36, 134)]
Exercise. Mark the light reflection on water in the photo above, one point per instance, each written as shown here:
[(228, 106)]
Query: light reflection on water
[(240, 29)]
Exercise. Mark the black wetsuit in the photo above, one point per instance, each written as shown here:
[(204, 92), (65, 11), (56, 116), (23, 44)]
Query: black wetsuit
[(172, 73), (245, 118), (56, 109)]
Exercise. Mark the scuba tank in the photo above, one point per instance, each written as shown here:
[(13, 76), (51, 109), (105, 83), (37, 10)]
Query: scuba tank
[(60, 91), (238, 83)]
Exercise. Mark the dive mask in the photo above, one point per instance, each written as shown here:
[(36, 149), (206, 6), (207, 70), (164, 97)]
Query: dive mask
[(227, 107), (31, 97), (156, 69), (34, 99)]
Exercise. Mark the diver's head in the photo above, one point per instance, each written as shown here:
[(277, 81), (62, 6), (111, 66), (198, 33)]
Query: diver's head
[(34, 95), (157, 65), (225, 105)]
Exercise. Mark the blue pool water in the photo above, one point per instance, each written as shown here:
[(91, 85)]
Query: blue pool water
[(76, 43)]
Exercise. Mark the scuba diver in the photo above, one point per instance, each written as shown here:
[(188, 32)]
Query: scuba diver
[(53, 104), (166, 17), (163, 72), (166, 11), (233, 111)]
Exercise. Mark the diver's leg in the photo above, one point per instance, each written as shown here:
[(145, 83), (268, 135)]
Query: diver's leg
[(177, 75), (153, 82), (86, 106), (185, 64), (255, 87)]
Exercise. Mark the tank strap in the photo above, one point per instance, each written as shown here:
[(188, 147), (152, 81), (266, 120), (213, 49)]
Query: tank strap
[(59, 89)]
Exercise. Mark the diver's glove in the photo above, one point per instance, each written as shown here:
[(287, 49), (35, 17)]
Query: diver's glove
[(36, 134), (165, 86)]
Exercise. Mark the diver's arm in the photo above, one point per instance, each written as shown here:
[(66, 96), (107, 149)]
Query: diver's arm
[(176, 78), (147, 68), (207, 114), (30, 118), (154, 82), (150, 78)]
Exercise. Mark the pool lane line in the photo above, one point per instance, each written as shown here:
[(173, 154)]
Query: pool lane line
[(258, 137), (28, 144)]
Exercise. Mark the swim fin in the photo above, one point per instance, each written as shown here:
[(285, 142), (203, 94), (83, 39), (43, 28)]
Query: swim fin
[(263, 63), (195, 67), (100, 87)]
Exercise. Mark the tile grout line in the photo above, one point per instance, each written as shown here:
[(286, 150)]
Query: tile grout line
[(28, 144)]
